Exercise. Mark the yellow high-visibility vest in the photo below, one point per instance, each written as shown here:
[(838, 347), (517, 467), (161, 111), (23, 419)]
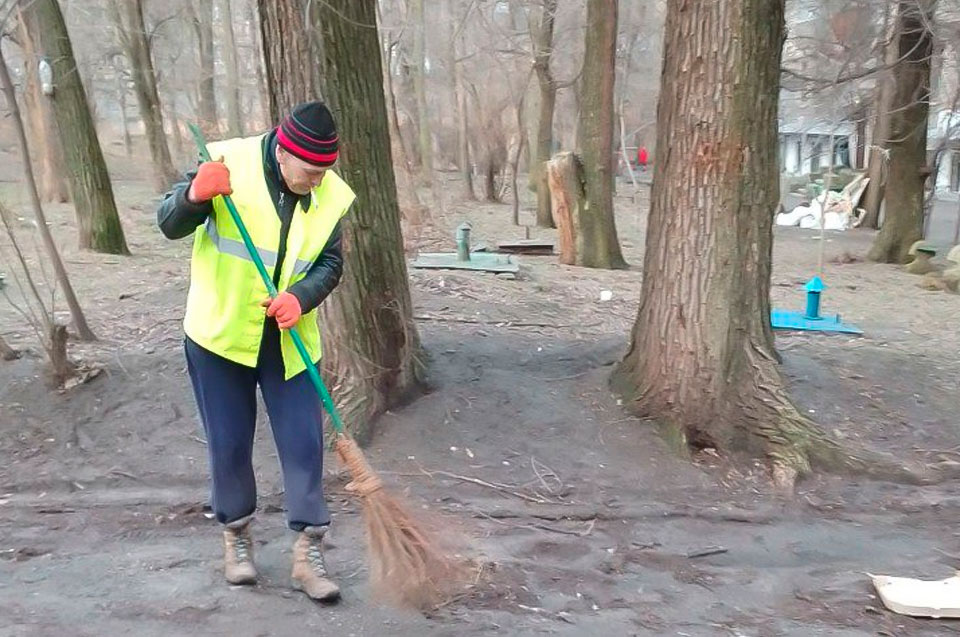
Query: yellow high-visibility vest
[(223, 312)]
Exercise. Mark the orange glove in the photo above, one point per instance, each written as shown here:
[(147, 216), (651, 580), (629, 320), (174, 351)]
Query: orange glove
[(212, 179), (286, 309)]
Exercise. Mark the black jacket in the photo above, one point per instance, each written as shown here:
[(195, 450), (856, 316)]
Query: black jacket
[(179, 218)]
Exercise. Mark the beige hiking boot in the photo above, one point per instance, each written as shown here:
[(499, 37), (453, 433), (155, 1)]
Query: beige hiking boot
[(238, 565), (309, 569)]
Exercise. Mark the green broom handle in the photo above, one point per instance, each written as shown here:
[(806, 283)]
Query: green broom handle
[(272, 289)]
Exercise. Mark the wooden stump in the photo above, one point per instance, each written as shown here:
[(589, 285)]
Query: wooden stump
[(567, 199), (7, 353)]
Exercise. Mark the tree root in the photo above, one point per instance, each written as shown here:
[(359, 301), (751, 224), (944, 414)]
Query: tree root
[(796, 446)]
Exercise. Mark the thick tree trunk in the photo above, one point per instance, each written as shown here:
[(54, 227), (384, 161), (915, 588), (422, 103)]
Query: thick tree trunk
[(877, 166), (372, 348), (910, 107), (47, 149), (63, 280), (420, 88), (600, 246), (203, 23), (701, 357), (133, 37), (292, 65), (97, 217), (543, 50), (231, 63)]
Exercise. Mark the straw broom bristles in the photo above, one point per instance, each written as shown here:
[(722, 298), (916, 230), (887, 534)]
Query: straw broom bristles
[(407, 566)]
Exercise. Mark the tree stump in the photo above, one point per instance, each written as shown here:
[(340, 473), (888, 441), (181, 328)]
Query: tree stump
[(567, 200), (7, 353), (61, 367)]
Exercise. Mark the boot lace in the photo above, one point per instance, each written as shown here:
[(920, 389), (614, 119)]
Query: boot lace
[(241, 547), (315, 556)]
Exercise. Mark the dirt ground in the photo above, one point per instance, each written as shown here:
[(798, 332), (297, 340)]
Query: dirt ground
[(594, 525)]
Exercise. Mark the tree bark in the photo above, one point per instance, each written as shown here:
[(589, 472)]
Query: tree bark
[(76, 313), (373, 350), (203, 24), (565, 174), (410, 207), (230, 59), (910, 106), (96, 210), (47, 149), (515, 164), (701, 357), (420, 88), (460, 105), (290, 62), (122, 102), (463, 139), (600, 245), (255, 32), (877, 165), (132, 33), (543, 51)]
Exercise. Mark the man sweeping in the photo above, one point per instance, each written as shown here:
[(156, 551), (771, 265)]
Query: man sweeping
[(236, 336)]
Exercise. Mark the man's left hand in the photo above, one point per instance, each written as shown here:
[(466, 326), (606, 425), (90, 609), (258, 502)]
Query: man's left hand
[(285, 308)]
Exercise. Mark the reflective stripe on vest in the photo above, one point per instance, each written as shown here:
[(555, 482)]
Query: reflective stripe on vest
[(239, 249)]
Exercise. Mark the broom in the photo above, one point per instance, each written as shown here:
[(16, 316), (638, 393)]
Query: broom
[(406, 565)]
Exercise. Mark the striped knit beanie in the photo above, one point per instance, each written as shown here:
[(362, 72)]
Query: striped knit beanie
[(309, 133)]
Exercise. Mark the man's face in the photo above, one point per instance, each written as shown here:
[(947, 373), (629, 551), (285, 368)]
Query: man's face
[(299, 176)]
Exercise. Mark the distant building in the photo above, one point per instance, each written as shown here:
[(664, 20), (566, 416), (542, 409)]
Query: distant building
[(805, 146), (943, 137)]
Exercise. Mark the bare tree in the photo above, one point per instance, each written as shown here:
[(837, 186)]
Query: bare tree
[(702, 357), (876, 168), (600, 247), (132, 36), (459, 96), (420, 87), (76, 313), (230, 56), (48, 150), (541, 33), (202, 15), (90, 186), (910, 107)]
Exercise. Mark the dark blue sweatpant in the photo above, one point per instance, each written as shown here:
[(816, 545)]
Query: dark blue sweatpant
[(227, 400)]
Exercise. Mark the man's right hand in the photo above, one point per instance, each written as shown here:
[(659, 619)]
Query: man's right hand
[(212, 179)]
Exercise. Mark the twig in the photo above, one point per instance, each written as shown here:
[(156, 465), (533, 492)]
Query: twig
[(502, 488), (544, 527), (536, 465), (707, 552), (503, 323), (120, 472)]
